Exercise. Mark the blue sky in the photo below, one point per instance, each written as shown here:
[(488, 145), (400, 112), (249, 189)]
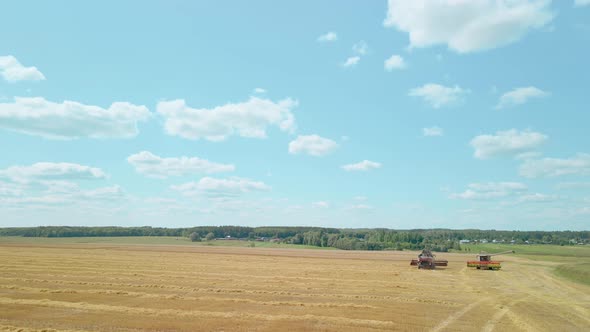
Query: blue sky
[(399, 114)]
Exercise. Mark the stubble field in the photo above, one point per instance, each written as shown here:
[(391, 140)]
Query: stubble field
[(116, 287)]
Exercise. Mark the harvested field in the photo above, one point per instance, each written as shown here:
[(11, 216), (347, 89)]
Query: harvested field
[(113, 287)]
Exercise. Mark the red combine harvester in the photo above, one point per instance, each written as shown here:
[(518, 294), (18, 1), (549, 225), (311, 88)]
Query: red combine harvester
[(426, 260), (484, 261)]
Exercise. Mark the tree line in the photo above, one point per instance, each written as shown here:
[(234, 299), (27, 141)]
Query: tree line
[(347, 239)]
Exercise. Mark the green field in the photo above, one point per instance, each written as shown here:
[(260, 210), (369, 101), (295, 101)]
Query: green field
[(532, 251), (150, 240), (576, 272), (575, 259)]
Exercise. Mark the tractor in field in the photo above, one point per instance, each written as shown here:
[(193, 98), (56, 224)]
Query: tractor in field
[(484, 261), (426, 260)]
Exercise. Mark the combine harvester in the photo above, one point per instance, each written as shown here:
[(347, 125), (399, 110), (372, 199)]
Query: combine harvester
[(426, 260), (484, 261)]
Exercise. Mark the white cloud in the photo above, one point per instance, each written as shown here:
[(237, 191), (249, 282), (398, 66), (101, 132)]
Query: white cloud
[(247, 119), (58, 186), (112, 193), (364, 165), (151, 165), (520, 96), (528, 155), (537, 198), (51, 171), (328, 37), (53, 192), (313, 145), (394, 62), (13, 71), (577, 165), (352, 61), (360, 48), (69, 120), (432, 131), (10, 189), (490, 190), (221, 187), (572, 185), (259, 90), (321, 204), (467, 26), (360, 207), (439, 95), (580, 3), (509, 142), (33, 200)]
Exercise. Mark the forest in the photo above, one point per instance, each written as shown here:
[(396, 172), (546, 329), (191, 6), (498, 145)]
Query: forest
[(346, 239)]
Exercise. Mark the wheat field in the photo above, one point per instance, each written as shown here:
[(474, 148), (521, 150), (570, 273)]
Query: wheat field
[(114, 287)]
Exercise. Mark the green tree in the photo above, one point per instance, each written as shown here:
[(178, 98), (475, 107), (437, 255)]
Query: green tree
[(195, 237), (210, 236)]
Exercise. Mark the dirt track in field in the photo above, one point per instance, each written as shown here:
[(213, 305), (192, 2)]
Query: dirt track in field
[(187, 288)]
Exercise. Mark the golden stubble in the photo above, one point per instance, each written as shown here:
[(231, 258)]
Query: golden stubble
[(110, 287)]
